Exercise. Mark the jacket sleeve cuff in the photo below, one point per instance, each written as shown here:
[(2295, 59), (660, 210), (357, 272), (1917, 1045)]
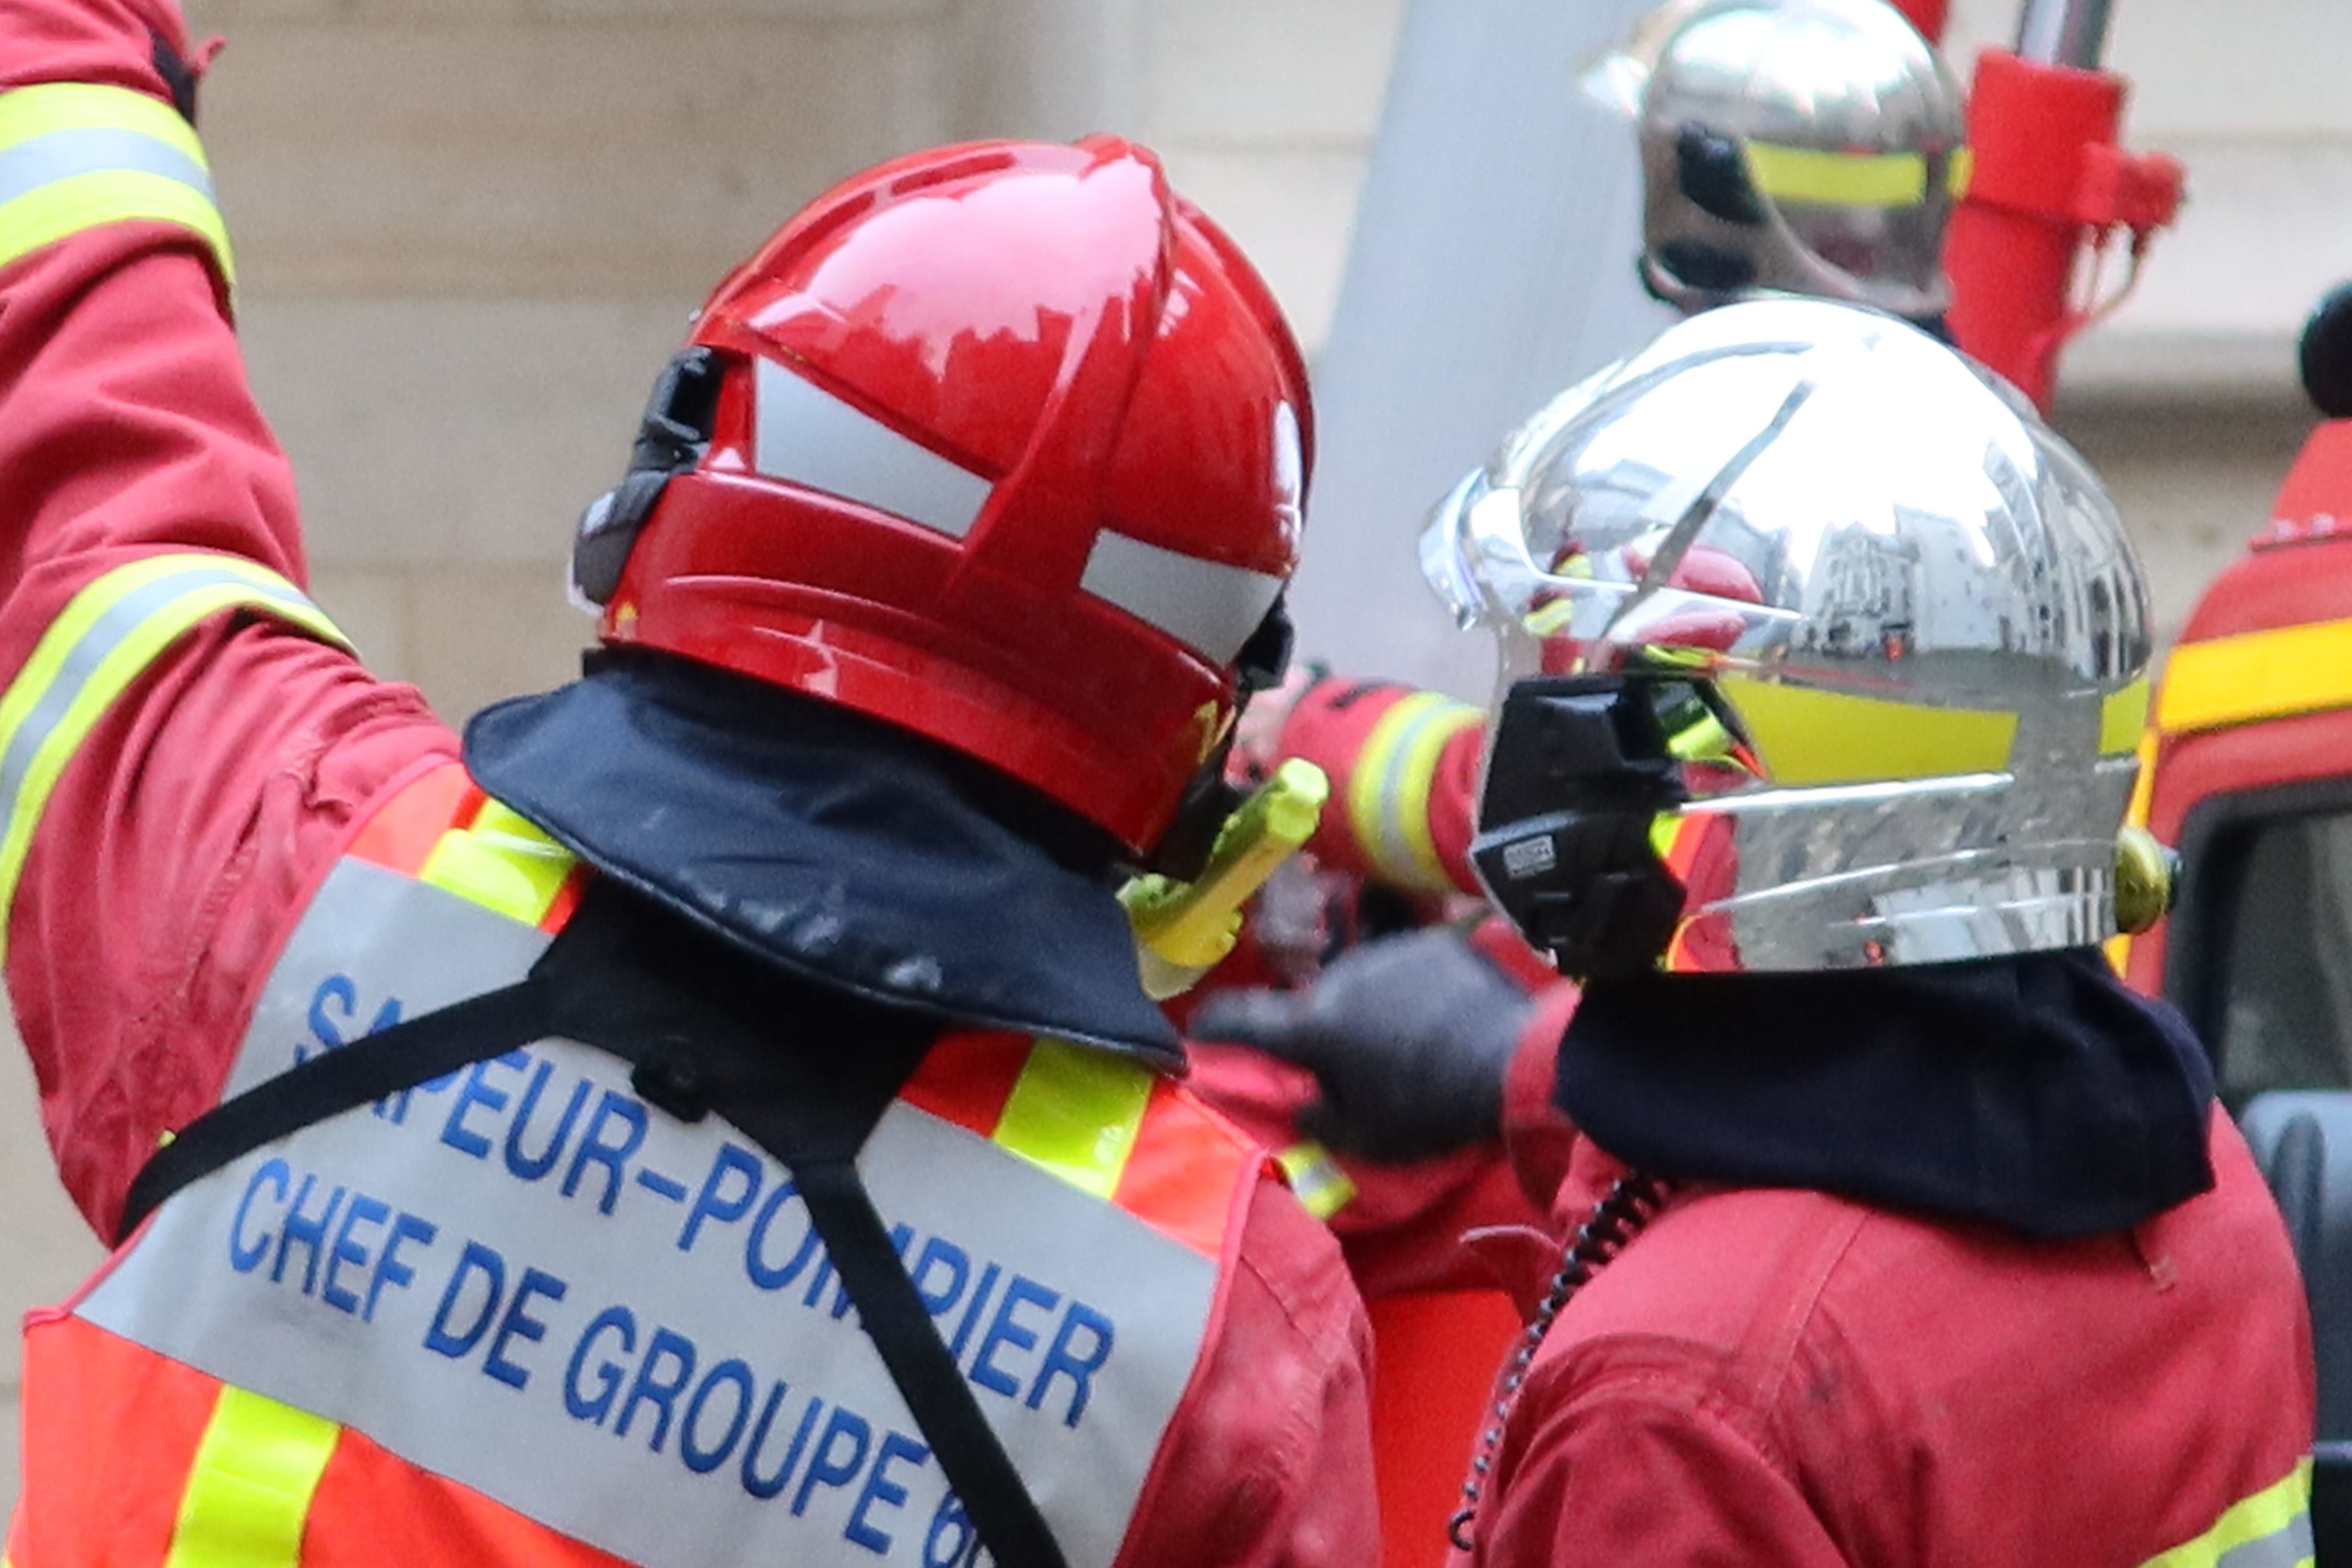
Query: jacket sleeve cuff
[(1398, 811)]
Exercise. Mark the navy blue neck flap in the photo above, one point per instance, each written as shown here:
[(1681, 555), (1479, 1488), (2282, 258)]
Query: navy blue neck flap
[(835, 846), (2035, 1092)]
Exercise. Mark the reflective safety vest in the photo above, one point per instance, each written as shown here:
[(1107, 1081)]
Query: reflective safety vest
[(518, 1314)]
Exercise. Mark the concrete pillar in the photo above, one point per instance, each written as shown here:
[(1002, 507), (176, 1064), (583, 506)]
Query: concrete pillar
[(1492, 266)]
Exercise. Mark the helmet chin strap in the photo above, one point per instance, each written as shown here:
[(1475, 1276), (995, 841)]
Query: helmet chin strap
[(1183, 850), (672, 436)]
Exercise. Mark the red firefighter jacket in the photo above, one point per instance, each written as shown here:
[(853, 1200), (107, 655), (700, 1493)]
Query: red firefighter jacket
[(1783, 1377), (188, 754)]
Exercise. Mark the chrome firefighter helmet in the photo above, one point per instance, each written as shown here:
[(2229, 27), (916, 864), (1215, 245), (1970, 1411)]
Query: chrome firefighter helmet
[(1820, 650), (1809, 146)]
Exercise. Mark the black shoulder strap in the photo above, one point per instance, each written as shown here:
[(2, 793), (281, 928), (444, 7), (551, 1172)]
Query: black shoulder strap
[(411, 1052), (704, 1030)]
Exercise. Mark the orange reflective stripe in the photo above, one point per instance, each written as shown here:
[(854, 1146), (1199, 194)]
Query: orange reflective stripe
[(88, 1496), (1187, 1162), (401, 836), (440, 829), (566, 899), (966, 1079), (1684, 837)]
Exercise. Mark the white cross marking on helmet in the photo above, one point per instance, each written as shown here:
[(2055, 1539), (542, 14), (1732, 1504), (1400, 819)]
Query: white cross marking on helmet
[(806, 436), (1207, 606)]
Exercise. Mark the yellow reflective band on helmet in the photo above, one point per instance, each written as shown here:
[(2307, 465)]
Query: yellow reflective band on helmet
[(1808, 736), (1316, 1179), (1075, 1113), (2256, 675), (1701, 740), (1838, 179), (2123, 718), (74, 155), (502, 862), (1959, 170), (112, 631), (1664, 827), (249, 1490), (2270, 1529), (1388, 786)]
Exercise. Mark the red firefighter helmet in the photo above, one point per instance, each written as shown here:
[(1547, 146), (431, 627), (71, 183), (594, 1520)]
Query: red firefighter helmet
[(1003, 443)]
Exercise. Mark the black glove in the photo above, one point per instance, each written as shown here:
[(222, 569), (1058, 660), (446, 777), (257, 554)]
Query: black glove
[(1408, 1037)]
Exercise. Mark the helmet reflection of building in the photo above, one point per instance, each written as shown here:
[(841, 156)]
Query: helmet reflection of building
[(1900, 731), (1812, 147)]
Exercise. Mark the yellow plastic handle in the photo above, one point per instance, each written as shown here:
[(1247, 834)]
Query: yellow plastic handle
[(1182, 930)]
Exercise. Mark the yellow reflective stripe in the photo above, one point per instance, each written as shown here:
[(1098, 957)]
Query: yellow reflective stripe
[(2270, 1529), (1321, 1187), (1388, 788), (249, 1491), (106, 637), (29, 112), (2123, 718), (1812, 737), (1664, 829), (85, 201), (502, 862), (148, 164), (1838, 179), (2256, 675), (1959, 170), (1075, 1113)]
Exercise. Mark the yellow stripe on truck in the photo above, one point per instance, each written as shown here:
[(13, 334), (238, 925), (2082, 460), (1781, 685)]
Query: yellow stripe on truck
[(2256, 675)]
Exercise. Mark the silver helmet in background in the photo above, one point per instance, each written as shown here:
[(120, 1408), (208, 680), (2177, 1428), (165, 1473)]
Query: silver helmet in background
[(1820, 650), (1813, 147)]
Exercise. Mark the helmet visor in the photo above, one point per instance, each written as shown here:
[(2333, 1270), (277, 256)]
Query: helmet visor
[(1579, 550)]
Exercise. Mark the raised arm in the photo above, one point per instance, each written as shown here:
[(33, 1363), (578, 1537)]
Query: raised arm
[(184, 738)]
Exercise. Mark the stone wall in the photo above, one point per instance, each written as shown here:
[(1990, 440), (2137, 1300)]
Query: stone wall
[(471, 231)]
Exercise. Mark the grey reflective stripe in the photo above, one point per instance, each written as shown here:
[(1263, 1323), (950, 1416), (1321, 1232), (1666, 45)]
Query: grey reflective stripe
[(122, 618), (1207, 606), (94, 149), (2284, 1547), (806, 436)]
